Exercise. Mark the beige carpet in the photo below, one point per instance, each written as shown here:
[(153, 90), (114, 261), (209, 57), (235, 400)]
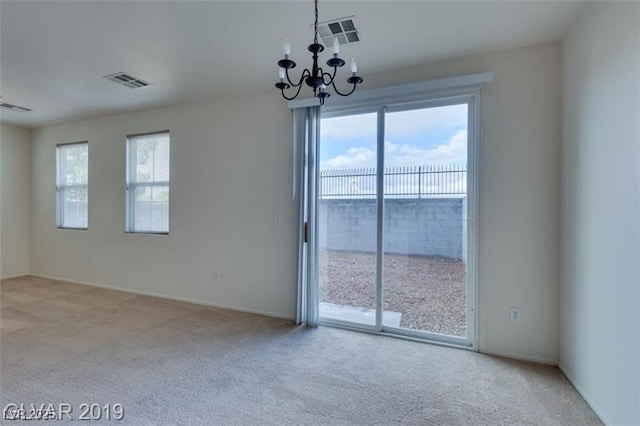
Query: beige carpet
[(176, 363)]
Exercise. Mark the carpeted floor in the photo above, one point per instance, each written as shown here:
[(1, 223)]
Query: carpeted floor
[(175, 363)]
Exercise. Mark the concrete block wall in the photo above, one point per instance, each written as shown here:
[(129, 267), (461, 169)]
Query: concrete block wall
[(429, 226)]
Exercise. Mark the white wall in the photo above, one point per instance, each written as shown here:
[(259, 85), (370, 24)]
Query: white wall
[(232, 175), (599, 295), (14, 201), (519, 214)]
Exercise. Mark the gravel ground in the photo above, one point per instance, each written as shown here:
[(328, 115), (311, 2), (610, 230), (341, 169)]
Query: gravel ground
[(429, 292)]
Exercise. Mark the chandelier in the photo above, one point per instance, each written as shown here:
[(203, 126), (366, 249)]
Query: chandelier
[(315, 78)]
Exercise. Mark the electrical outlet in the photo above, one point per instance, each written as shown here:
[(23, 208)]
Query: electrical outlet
[(217, 276), (277, 220), (514, 313)]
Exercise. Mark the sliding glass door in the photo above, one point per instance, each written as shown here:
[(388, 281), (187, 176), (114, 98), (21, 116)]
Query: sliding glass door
[(395, 235), (424, 218), (347, 219)]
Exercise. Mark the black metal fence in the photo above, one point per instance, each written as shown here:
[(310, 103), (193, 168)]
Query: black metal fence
[(406, 182)]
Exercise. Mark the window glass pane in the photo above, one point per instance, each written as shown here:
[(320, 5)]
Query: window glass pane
[(76, 170), (152, 159), (72, 185), (148, 183), (425, 212), (347, 219), (75, 208), (152, 209)]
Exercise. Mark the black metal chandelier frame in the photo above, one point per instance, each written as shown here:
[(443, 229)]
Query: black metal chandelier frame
[(315, 78)]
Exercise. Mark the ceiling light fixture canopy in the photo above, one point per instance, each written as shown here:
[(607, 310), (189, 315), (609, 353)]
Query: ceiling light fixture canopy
[(315, 78)]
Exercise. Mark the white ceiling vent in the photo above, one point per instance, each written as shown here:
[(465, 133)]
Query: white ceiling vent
[(127, 80), (12, 107), (344, 29)]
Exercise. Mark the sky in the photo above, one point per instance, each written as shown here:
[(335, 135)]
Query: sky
[(412, 138)]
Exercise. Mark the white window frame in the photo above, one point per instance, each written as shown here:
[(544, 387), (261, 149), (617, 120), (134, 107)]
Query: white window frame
[(131, 186), (62, 187)]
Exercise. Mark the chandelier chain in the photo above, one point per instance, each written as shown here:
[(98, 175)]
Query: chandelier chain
[(315, 25)]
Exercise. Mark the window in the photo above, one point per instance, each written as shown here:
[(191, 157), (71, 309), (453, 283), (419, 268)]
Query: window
[(148, 183), (72, 185)]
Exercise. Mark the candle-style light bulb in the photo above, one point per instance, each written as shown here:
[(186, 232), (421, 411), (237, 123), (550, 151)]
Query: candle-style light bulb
[(336, 46), (281, 73), (354, 67), (286, 46)]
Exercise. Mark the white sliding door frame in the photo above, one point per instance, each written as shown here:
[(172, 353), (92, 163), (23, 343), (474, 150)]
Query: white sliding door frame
[(435, 93)]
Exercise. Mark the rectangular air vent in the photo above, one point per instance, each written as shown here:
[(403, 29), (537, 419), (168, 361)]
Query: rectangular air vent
[(343, 29), (12, 107), (127, 80)]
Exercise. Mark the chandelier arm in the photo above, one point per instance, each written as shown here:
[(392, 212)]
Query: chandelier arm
[(305, 73), (294, 96), (353, 89), (331, 77)]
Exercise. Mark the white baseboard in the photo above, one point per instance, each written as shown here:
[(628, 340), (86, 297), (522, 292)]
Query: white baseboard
[(584, 394), (14, 276), (520, 357), (177, 299)]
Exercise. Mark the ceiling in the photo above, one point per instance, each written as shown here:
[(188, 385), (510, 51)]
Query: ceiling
[(54, 53)]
